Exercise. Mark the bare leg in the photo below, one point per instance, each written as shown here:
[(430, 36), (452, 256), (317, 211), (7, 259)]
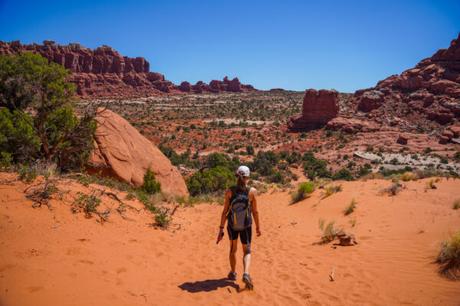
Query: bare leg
[(246, 258), (232, 254)]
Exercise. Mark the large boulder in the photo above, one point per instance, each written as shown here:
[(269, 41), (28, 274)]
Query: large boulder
[(319, 107), (122, 152)]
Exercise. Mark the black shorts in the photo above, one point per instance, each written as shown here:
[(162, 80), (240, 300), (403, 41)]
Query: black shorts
[(245, 235)]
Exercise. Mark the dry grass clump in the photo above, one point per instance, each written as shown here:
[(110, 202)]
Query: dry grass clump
[(330, 190), (329, 231), (350, 208), (431, 184), (393, 189), (408, 176), (304, 190), (449, 257)]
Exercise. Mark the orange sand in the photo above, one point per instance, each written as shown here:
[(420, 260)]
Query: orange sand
[(54, 257)]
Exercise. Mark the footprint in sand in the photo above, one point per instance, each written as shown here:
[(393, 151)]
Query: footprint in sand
[(33, 289)]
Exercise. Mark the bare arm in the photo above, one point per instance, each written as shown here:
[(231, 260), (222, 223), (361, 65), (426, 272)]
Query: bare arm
[(223, 218), (255, 212)]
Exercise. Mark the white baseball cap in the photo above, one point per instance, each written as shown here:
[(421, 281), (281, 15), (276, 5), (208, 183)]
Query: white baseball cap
[(243, 171)]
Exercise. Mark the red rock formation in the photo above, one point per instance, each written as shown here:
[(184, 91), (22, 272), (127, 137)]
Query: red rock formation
[(318, 108), (122, 152), (103, 72), (430, 91)]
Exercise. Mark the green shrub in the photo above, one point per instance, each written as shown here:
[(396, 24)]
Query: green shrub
[(210, 180), (150, 185), (303, 191), (343, 174), (449, 257), (5, 160), (264, 163), (250, 149), (314, 167)]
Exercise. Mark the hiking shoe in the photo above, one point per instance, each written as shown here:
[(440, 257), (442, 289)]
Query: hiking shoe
[(248, 281), (231, 276)]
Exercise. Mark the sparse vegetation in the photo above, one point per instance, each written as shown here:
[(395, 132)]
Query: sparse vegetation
[(449, 257), (350, 208), (162, 218), (303, 191), (86, 203), (330, 190)]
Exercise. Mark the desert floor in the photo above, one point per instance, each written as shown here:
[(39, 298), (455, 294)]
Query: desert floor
[(54, 257)]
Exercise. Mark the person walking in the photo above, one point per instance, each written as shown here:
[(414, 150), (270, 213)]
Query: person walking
[(240, 206)]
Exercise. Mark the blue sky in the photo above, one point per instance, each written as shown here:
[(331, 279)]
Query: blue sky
[(345, 45)]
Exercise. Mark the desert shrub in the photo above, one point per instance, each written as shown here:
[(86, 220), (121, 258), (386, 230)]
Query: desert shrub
[(5, 160), (276, 177), (150, 185), (250, 149), (210, 180), (449, 257), (303, 191), (314, 167), (456, 204), (364, 170), (264, 163), (330, 190), (350, 208), (222, 160), (27, 173), (343, 174), (388, 172), (86, 203), (37, 120), (162, 218)]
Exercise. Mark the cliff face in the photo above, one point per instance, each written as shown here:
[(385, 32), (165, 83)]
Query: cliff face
[(103, 72)]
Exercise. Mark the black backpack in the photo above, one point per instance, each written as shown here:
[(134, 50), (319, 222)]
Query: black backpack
[(239, 212)]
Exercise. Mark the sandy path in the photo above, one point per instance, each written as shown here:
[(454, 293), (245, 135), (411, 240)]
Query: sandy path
[(59, 258)]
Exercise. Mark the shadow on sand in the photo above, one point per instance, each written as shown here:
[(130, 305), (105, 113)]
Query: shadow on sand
[(208, 285)]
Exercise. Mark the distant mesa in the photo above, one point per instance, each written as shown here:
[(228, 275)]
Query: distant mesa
[(103, 72), (319, 107)]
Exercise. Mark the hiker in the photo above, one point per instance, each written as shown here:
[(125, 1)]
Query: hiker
[(239, 207)]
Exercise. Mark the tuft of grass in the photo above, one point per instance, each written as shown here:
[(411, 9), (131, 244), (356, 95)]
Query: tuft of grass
[(449, 257), (330, 190), (304, 190), (431, 184), (329, 231), (353, 222), (350, 208), (456, 204), (150, 185)]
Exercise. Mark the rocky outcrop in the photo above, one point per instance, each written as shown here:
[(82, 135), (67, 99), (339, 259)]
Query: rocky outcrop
[(318, 108), (351, 125), (428, 92), (103, 72), (122, 152)]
